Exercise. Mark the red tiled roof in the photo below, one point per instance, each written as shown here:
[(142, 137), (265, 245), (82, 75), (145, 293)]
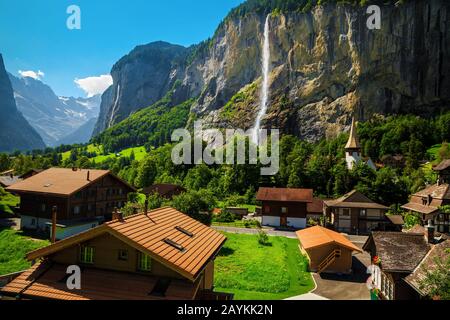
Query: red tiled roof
[(285, 194)]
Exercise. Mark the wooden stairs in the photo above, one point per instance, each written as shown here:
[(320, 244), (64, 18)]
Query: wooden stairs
[(336, 253)]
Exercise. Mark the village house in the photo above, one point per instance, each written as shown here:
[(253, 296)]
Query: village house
[(164, 190), (400, 258), (9, 179), (427, 202), (353, 150), (327, 250), (158, 255), (286, 207), (83, 199), (355, 213)]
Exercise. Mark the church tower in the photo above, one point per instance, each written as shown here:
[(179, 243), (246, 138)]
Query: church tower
[(353, 148)]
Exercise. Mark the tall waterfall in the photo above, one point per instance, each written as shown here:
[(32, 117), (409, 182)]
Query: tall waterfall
[(265, 83)]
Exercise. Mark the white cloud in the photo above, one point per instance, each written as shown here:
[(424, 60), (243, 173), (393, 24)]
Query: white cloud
[(94, 85), (32, 74)]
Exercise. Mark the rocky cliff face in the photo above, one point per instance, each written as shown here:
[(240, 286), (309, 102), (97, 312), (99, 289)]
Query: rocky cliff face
[(325, 65), (15, 132), (140, 79)]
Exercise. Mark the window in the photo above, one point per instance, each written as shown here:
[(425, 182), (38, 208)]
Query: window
[(121, 191), (123, 255), (78, 195), (144, 262), (33, 222), (87, 254), (43, 207), (346, 212), (267, 209), (76, 210), (362, 212), (284, 210), (387, 288)]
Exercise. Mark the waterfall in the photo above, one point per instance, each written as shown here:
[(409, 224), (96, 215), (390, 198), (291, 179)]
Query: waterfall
[(113, 111), (265, 83)]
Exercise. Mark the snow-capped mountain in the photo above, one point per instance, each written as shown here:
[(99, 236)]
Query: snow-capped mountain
[(53, 117)]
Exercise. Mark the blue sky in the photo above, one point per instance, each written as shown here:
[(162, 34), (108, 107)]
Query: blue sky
[(34, 36)]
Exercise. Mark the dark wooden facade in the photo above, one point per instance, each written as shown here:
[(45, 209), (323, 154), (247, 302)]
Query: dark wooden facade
[(284, 209), (96, 200)]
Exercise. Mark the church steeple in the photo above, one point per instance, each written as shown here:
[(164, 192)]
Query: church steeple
[(353, 141)]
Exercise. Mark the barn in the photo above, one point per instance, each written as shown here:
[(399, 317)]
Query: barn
[(327, 250)]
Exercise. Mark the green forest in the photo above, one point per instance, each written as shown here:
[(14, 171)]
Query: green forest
[(320, 166)]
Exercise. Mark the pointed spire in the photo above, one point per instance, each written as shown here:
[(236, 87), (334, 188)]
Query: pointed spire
[(353, 141)]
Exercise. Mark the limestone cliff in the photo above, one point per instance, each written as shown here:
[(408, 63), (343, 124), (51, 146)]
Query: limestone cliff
[(325, 65)]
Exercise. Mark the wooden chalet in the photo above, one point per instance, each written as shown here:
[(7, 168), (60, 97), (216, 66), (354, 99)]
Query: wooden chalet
[(30, 173), (355, 213), (284, 207), (8, 180), (402, 256), (83, 198), (327, 250), (427, 202), (160, 255), (164, 190)]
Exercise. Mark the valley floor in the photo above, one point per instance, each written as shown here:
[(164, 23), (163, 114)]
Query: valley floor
[(255, 272)]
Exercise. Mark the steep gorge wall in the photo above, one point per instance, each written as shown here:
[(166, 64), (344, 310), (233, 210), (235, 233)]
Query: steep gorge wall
[(326, 64)]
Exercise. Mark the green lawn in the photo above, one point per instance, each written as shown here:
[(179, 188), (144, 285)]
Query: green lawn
[(433, 151), (139, 153), (13, 248), (7, 202), (255, 272)]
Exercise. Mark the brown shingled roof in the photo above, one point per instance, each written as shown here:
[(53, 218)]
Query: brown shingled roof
[(399, 251), (318, 236), (147, 233), (59, 181), (436, 191), (316, 206), (354, 199), (419, 208), (444, 165), (440, 252), (285, 194)]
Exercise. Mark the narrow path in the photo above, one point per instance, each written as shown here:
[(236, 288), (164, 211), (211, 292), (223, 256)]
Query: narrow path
[(270, 232)]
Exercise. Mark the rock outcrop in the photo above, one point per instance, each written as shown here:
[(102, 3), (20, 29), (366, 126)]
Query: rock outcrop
[(140, 79), (326, 64)]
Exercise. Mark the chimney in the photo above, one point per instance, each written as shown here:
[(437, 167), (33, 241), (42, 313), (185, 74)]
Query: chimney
[(146, 206), (116, 215), (54, 212), (429, 233), (88, 174)]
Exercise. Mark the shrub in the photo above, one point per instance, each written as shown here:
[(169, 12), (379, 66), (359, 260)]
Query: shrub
[(225, 216), (263, 238)]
